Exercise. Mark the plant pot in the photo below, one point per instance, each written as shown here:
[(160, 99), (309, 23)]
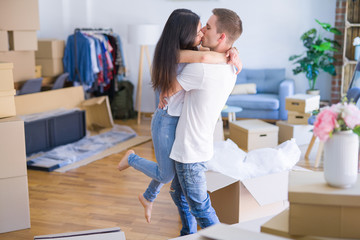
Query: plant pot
[(357, 52), (313, 91), (341, 159)]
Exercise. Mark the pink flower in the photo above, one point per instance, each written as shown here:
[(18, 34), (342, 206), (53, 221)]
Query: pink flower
[(325, 123), (351, 116)]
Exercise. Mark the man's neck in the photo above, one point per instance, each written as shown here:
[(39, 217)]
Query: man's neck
[(221, 48)]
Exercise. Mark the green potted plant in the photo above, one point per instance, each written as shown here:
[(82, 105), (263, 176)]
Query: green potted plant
[(318, 55)]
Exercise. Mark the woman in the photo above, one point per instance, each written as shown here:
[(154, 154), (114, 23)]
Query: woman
[(182, 31)]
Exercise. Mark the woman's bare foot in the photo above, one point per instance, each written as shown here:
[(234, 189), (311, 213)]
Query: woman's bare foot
[(147, 207), (124, 163)]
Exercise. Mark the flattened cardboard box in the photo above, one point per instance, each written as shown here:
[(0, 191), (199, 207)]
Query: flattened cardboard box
[(320, 210), (12, 148), (301, 133), (14, 204), (227, 232), (235, 201), (253, 134), (302, 103), (97, 234)]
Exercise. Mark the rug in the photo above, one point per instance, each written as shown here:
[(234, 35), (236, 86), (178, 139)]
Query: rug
[(86, 150)]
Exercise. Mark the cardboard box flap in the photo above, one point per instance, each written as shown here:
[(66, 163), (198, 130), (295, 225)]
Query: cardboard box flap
[(8, 93), (269, 188), (6, 65), (216, 181), (98, 113), (227, 232), (107, 233), (311, 188)]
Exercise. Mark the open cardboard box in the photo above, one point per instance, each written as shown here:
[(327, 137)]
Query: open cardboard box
[(98, 113), (97, 234), (236, 201)]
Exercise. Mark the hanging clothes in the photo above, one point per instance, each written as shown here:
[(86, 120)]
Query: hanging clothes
[(94, 58)]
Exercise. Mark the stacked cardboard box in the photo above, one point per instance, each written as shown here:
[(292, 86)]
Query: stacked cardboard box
[(7, 91), (19, 21), (317, 209), (300, 108), (253, 134), (49, 56)]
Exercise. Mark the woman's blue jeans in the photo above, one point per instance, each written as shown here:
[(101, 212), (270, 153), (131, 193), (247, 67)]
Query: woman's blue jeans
[(163, 127), (189, 193)]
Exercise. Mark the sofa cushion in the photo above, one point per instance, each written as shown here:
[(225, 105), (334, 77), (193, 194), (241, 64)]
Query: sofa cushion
[(258, 101), (266, 80)]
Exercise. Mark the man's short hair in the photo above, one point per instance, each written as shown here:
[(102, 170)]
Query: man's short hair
[(228, 22)]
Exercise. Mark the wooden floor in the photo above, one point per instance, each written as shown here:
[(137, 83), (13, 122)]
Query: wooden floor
[(99, 196)]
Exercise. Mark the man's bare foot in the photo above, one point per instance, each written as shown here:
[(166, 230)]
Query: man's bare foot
[(147, 207), (124, 163)]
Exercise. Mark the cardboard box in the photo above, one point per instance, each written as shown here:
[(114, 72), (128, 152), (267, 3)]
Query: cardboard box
[(19, 15), (320, 210), (24, 64), (22, 40), (50, 66), (38, 72), (235, 201), (227, 232), (302, 103), (50, 48), (301, 133), (253, 134), (4, 41), (7, 103), (6, 76), (98, 113), (298, 117), (279, 226), (97, 234), (14, 204), (12, 148)]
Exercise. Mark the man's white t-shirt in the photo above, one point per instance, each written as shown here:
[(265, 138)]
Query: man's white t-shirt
[(207, 87)]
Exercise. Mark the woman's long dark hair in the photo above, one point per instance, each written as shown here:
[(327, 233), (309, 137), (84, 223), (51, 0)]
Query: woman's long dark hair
[(179, 33)]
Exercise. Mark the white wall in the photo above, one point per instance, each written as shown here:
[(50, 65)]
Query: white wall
[(272, 29)]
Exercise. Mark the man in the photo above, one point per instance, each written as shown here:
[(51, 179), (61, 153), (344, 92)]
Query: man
[(207, 88)]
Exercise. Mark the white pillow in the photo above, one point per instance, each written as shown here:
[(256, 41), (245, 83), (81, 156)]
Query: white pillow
[(244, 88)]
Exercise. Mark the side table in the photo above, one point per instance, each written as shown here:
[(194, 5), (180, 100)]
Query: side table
[(231, 111)]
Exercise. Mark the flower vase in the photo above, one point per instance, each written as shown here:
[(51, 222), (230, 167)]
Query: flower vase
[(357, 52), (341, 159)]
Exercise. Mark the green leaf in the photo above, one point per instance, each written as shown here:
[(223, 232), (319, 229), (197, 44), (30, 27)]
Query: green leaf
[(325, 26), (291, 58), (334, 42), (357, 130), (309, 34), (329, 69), (335, 31)]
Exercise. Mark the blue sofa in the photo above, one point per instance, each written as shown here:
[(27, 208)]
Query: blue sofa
[(271, 90)]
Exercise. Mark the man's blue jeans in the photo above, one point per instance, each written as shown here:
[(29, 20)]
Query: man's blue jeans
[(163, 128), (189, 193)]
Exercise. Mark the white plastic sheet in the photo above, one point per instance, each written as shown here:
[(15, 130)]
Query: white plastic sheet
[(230, 160)]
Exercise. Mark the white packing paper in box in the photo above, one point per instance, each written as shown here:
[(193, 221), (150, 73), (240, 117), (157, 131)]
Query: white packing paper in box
[(97, 234)]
